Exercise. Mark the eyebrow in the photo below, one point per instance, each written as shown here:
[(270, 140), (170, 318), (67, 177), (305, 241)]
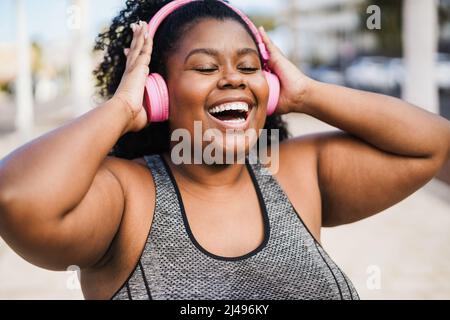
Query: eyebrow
[(215, 53)]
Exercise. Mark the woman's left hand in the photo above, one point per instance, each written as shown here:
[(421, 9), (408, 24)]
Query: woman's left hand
[(294, 84)]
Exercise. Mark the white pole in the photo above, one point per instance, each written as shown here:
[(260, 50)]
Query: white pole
[(24, 91), (293, 21), (81, 60), (420, 30)]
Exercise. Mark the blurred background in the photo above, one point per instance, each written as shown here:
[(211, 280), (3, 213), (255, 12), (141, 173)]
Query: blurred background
[(396, 47)]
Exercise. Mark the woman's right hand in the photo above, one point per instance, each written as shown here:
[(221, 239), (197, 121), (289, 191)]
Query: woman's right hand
[(131, 88)]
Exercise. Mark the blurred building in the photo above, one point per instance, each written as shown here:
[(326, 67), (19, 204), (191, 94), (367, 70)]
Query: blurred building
[(49, 63), (325, 29)]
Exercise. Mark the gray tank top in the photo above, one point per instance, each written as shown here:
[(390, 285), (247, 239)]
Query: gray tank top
[(288, 264)]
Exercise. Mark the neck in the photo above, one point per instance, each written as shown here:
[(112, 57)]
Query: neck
[(210, 178)]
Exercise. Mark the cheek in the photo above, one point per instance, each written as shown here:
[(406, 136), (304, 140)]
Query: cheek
[(261, 90), (187, 98)]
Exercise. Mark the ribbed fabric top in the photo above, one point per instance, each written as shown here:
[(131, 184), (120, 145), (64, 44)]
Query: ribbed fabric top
[(289, 263)]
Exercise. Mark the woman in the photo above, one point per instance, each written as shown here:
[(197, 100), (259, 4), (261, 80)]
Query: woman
[(140, 227)]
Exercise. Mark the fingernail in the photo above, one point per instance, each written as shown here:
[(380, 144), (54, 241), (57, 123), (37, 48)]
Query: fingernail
[(126, 51), (133, 27)]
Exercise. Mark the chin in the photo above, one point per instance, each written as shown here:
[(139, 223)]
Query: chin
[(231, 149)]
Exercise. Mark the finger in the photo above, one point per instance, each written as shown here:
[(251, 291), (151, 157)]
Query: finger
[(146, 52), (136, 51), (266, 39), (273, 49), (134, 28)]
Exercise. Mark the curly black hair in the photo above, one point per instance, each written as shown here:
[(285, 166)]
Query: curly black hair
[(155, 138)]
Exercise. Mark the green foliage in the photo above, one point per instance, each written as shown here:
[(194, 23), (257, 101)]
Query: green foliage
[(444, 12), (6, 87), (268, 22)]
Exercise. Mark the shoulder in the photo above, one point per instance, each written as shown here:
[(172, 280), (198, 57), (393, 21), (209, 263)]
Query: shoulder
[(303, 157), (126, 170), (295, 170), (133, 175), (291, 152), (309, 147), (297, 173), (139, 191), (102, 281)]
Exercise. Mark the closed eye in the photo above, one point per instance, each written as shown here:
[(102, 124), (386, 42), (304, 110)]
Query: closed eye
[(249, 69), (208, 70), (205, 70)]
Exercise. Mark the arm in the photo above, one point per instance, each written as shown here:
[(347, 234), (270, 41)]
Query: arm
[(388, 149), (45, 182), (61, 202)]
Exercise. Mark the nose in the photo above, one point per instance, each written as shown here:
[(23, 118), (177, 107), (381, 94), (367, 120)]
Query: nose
[(232, 79)]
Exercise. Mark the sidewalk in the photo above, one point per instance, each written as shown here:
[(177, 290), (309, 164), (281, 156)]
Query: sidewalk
[(401, 253)]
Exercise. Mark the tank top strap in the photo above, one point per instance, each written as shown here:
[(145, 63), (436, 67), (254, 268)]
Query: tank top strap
[(167, 228), (280, 210), (166, 200)]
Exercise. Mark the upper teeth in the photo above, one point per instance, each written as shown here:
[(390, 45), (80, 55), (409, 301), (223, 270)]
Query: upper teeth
[(240, 106)]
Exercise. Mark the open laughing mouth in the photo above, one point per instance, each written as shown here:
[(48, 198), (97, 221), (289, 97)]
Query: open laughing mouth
[(233, 115)]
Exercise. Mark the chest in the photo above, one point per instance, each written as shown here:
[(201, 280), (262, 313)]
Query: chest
[(231, 227)]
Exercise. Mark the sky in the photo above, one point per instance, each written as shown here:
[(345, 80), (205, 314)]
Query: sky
[(48, 19)]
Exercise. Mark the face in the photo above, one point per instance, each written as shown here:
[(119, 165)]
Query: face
[(217, 69)]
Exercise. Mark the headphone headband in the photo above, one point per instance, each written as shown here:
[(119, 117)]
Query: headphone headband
[(172, 6)]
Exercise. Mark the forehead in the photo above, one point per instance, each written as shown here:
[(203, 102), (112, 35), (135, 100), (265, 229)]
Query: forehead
[(225, 36)]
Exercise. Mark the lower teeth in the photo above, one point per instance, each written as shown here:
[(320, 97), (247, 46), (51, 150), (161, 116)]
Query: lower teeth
[(235, 120)]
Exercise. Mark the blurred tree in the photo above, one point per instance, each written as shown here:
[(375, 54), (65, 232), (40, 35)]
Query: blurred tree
[(36, 57), (6, 87), (444, 23), (267, 21), (389, 37), (444, 12)]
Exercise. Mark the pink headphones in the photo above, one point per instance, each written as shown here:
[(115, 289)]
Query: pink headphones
[(156, 96)]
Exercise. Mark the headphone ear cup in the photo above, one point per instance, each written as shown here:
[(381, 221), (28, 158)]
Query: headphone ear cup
[(156, 98), (274, 91)]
